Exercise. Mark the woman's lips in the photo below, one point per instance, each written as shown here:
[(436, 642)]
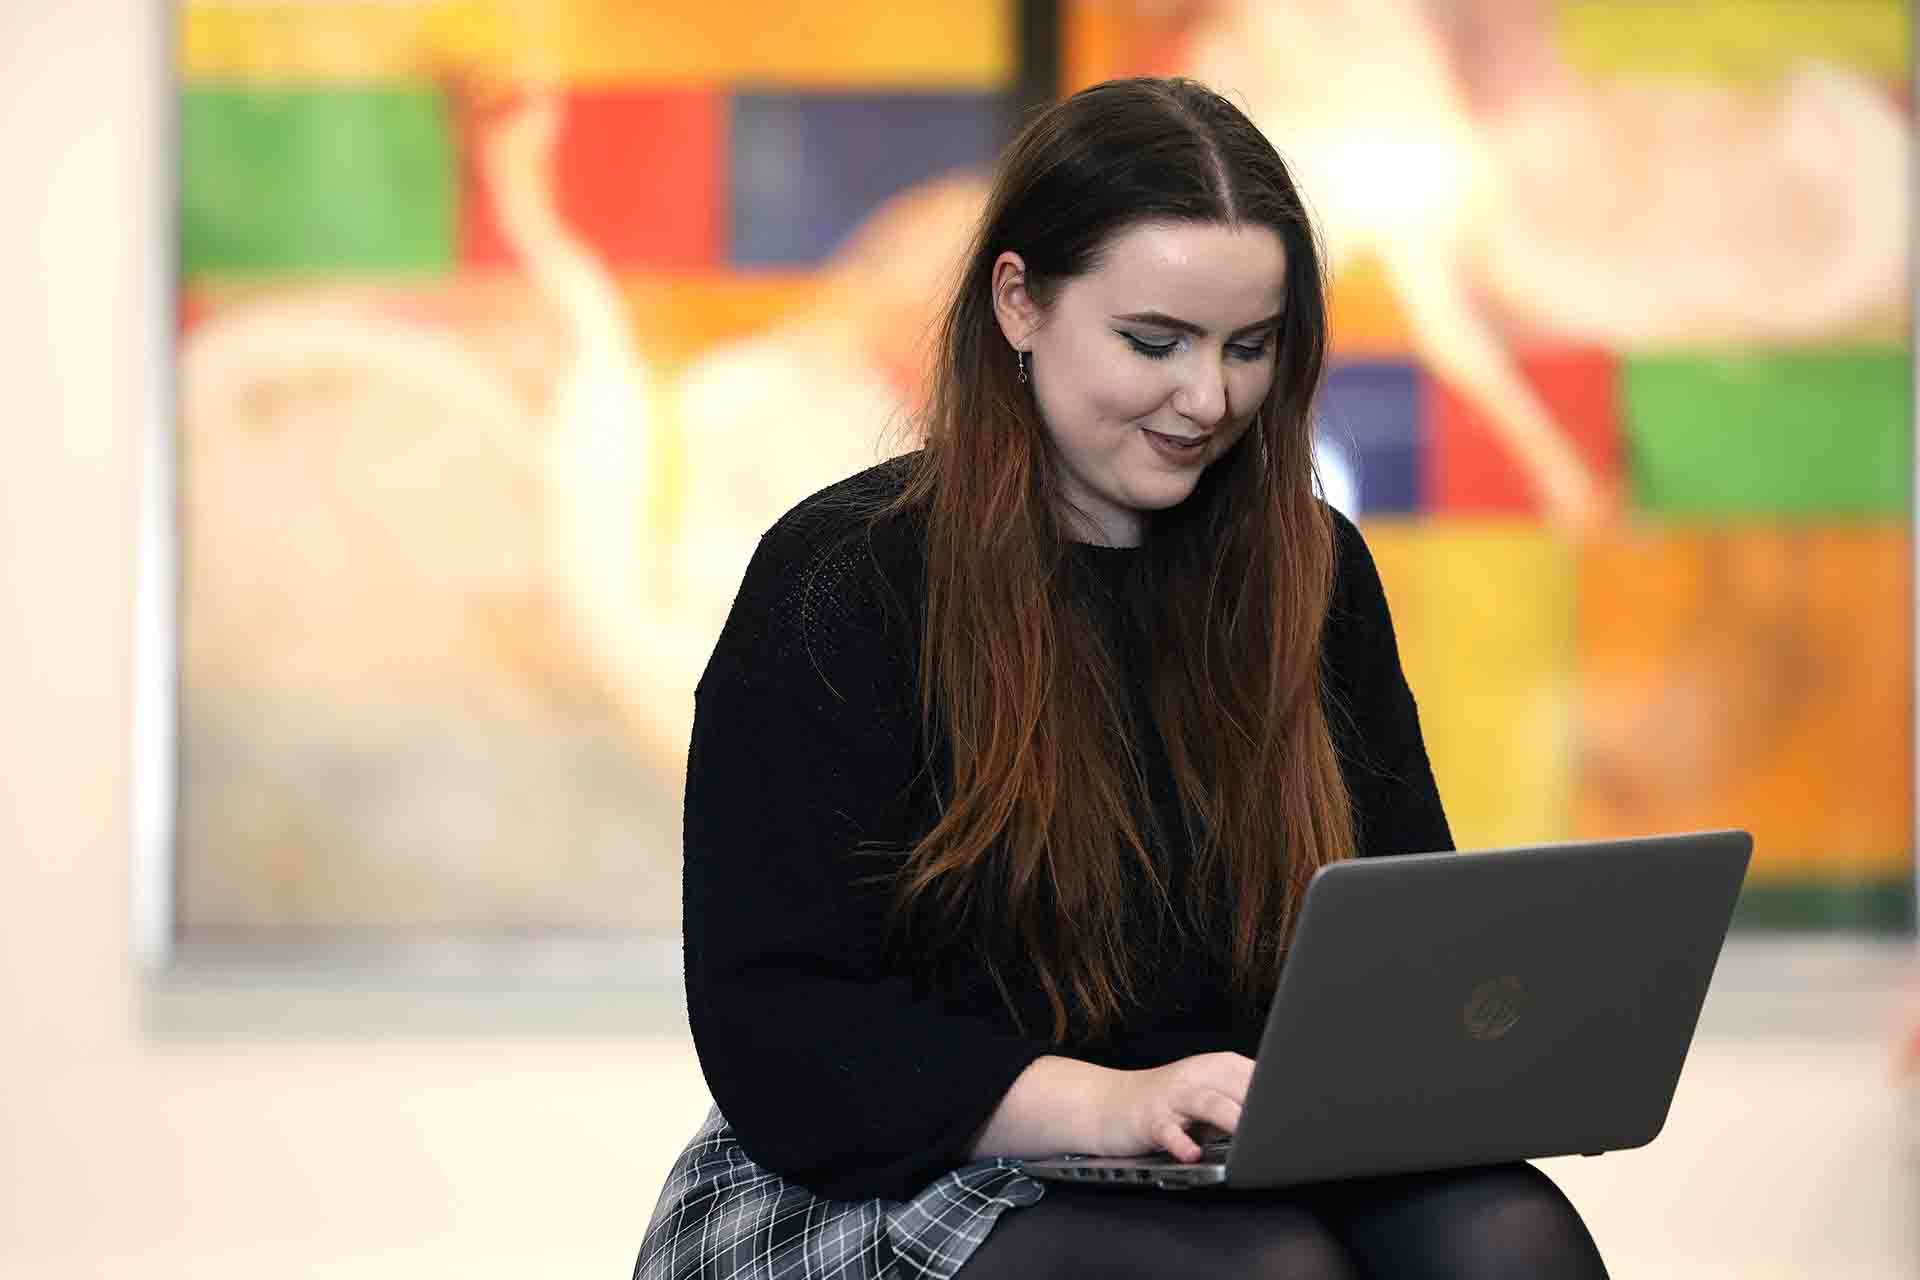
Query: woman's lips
[(1177, 448)]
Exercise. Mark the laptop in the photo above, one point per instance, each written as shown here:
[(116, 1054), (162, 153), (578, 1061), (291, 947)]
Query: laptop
[(1440, 1010)]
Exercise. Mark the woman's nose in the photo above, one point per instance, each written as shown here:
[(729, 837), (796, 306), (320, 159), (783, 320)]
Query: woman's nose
[(1202, 395)]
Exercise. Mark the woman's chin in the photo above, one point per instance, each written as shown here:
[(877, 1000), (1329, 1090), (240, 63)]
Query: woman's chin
[(1164, 491)]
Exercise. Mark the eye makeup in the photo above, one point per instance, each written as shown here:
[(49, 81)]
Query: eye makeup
[(1161, 350)]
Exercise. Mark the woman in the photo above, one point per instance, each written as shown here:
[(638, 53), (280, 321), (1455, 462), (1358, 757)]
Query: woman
[(1015, 756)]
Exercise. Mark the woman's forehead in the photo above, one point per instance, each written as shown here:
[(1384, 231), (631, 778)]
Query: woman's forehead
[(1209, 273)]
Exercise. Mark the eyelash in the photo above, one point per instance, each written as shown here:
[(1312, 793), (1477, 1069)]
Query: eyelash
[(1153, 352)]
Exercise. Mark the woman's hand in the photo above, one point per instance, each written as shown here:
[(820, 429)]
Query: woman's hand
[(1154, 1110), (1063, 1104)]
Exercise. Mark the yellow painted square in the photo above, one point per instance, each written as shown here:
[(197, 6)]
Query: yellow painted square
[(1484, 613), (847, 43), (1734, 39)]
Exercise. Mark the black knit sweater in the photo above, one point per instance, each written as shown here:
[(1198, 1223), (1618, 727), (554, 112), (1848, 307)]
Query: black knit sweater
[(835, 1067)]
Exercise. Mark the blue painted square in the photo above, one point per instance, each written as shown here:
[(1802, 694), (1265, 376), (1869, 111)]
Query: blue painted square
[(1367, 436), (805, 168)]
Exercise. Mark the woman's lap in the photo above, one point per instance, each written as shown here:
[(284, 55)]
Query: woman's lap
[(1132, 1235), (1495, 1222)]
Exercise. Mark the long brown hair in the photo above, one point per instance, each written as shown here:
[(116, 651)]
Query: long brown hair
[(1037, 842)]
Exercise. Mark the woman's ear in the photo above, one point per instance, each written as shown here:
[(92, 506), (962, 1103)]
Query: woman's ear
[(1013, 306)]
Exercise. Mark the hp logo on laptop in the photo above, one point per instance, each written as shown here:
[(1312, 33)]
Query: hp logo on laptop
[(1494, 1007)]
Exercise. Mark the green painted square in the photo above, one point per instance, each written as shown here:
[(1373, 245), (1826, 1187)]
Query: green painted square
[(1819, 906), (1801, 434), (316, 180)]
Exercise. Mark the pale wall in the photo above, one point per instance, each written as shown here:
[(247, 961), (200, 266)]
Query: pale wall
[(121, 1156)]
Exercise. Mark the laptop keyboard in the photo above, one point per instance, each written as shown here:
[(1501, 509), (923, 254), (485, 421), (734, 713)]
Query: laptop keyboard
[(1210, 1153)]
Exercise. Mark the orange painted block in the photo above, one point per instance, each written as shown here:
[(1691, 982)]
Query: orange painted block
[(1108, 39), (678, 317), (1364, 316), (1752, 677), (1484, 613), (189, 308)]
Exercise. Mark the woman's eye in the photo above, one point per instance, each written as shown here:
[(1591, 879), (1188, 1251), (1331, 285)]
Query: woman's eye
[(1152, 350), (1161, 350)]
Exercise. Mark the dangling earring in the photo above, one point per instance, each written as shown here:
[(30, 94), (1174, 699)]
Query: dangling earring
[(1020, 359)]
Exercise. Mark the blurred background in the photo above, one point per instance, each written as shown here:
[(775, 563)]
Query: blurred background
[(455, 353)]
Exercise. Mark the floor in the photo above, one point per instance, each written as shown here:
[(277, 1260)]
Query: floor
[(1793, 1146)]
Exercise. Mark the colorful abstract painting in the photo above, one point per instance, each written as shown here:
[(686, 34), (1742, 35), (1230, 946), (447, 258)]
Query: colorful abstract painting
[(506, 328)]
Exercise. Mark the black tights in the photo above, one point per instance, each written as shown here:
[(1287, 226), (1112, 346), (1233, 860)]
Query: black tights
[(1495, 1223)]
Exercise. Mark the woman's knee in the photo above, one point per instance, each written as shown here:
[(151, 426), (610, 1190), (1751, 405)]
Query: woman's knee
[(1311, 1253), (1503, 1221), (1527, 1227)]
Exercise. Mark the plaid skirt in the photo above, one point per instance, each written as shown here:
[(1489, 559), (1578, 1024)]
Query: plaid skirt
[(723, 1217)]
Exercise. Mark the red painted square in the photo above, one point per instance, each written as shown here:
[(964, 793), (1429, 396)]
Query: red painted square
[(639, 173), (1469, 467)]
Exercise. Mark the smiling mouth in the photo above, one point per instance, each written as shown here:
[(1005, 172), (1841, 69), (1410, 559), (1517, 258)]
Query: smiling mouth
[(1179, 442)]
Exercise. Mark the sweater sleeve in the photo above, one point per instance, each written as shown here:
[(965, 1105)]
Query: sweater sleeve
[(833, 1071), (1372, 713)]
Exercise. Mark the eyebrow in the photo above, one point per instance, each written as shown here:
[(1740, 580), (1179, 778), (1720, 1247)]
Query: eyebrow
[(1165, 321)]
